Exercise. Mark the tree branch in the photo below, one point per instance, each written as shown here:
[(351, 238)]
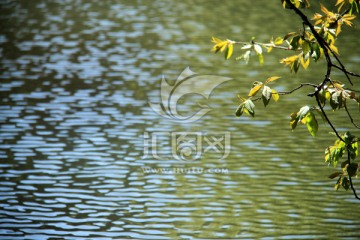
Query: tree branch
[(325, 46)]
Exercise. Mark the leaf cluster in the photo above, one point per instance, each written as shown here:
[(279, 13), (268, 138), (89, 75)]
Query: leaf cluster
[(267, 93), (350, 145), (337, 96), (306, 115)]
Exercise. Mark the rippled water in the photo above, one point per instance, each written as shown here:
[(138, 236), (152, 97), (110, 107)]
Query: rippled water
[(76, 81)]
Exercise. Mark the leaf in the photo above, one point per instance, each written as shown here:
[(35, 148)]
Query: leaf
[(355, 150), (316, 51), (261, 59), (334, 49), (345, 183), (271, 79), (324, 9), (295, 42), (275, 95), (295, 66), (293, 120), (335, 152), (352, 169), (255, 89), (278, 40), (303, 112), (229, 51), (266, 95), (312, 123), (305, 63), (220, 45), (239, 111), (247, 46), (245, 56), (305, 47), (335, 174), (249, 107), (290, 61), (289, 35), (258, 49)]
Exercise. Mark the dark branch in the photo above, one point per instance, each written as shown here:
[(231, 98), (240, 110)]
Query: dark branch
[(350, 180), (351, 119)]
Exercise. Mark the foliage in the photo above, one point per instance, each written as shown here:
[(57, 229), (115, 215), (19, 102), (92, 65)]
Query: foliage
[(314, 42)]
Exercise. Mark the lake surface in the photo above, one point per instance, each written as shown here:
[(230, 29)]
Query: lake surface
[(84, 156)]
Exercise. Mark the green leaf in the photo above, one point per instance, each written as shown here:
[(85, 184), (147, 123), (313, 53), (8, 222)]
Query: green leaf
[(296, 66), (354, 150), (295, 42), (311, 123), (306, 48), (240, 110), (345, 183), (335, 152), (293, 120), (316, 52), (352, 169)]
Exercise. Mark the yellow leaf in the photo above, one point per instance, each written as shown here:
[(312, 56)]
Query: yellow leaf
[(254, 90), (275, 95), (216, 40), (338, 29), (271, 79), (324, 9), (339, 2), (334, 49), (219, 45), (328, 95), (347, 19), (305, 63), (338, 86), (229, 51), (278, 41), (289, 60), (223, 46)]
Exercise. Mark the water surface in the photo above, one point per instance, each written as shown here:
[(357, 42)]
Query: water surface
[(77, 78)]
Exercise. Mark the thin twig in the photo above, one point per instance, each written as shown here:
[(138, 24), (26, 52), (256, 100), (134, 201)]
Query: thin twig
[(348, 72), (351, 119), (297, 88), (350, 180)]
